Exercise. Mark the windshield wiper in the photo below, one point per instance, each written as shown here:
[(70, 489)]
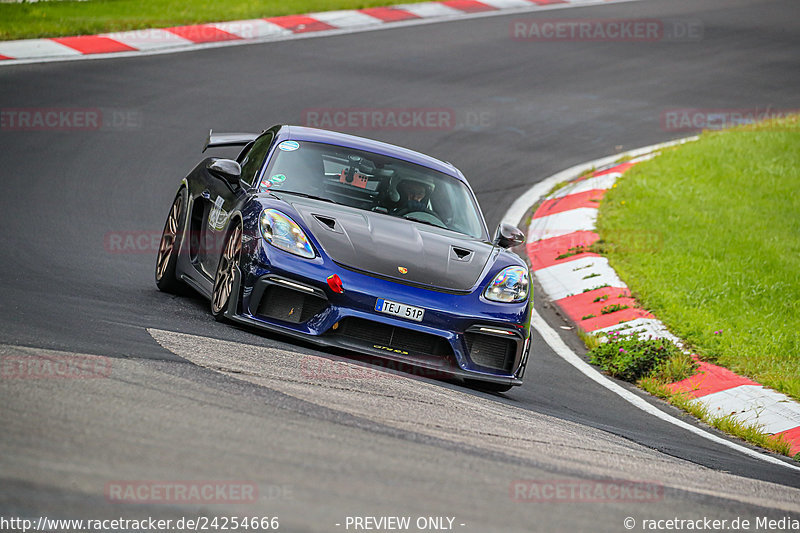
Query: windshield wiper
[(306, 195), (428, 222)]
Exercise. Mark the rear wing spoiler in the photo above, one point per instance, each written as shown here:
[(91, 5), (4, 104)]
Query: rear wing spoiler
[(228, 139)]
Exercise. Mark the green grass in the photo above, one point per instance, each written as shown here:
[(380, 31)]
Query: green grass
[(54, 19), (725, 273)]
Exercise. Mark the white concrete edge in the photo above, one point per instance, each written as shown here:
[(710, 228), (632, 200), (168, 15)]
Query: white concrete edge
[(310, 35), (550, 336)]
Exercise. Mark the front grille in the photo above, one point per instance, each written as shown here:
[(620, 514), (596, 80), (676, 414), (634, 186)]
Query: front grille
[(377, 333), (280, 303), (490, 351)]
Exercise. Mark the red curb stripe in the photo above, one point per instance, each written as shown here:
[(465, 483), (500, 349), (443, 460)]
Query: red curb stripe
[(709, 379), (93, 44), (578, 306), (544, 253), (612, 319), (2, 57), (203, 33), (389, 14), (570, 202), (468, 6), (300, 23), (793, 436)]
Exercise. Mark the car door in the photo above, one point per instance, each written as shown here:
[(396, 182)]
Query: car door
[(224, 199)]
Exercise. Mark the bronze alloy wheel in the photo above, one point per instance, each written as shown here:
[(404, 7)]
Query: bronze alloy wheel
[(167, 246), (223, 281), (167, 258)]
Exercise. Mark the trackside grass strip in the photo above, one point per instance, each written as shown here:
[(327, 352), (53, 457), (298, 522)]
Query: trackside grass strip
[(58, 19), (724, 272)]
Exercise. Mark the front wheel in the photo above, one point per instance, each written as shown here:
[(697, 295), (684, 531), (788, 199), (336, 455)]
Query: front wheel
[(167, 258), (223, 280)]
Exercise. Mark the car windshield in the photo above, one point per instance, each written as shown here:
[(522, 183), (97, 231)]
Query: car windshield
[(373, 182)]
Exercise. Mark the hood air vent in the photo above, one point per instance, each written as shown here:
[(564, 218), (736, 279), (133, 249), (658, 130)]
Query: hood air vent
[(460, 254), (328, 222)]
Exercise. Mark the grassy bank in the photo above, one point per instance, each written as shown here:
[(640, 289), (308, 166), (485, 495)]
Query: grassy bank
[(55, 19), (724, 273)]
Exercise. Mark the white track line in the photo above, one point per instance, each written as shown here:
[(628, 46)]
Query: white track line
[(551, 337)]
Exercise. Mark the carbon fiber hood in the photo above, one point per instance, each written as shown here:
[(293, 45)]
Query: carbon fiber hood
[(386, 245)]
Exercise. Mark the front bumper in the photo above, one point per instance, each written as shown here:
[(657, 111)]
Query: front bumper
[(461, 335)]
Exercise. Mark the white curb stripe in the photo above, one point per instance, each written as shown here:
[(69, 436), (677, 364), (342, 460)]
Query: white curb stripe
[(642, 327), (251, 29), (562, 280), (35, 48), (606, 181), (505, 4), (346, 18), (430, 9), (776, 412), (563, 223)]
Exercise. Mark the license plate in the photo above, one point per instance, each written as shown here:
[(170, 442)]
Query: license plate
[(398, 309)]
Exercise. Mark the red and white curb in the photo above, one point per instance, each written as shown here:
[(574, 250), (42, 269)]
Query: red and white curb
[(589, 292), (183, 38)]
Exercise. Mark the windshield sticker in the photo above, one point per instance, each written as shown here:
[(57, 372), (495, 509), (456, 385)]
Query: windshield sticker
[(289, 146), (217, 216), (277, 179), (264, 184)]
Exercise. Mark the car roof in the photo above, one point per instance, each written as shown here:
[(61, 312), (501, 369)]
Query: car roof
[(302, 133)]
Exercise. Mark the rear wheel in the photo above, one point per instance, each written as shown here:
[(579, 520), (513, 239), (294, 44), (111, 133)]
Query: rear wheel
[(167, 258), (223, 280)]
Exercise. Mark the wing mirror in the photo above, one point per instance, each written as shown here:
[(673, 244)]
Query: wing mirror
[(226, 169), (507, 236)]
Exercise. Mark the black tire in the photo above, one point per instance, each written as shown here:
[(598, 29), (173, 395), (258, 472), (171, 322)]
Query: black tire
[(488, 386), (223, 279), (168, 248)]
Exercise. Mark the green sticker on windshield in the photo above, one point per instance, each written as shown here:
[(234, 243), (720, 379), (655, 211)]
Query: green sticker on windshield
[(277, 178)]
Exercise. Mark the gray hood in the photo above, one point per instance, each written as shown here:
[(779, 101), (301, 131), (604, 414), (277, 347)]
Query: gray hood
[(379, 244)]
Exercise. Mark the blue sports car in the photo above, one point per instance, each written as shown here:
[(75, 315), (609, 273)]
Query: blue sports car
[(352, 243)]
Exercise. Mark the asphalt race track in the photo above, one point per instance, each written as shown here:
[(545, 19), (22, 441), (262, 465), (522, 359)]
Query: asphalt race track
[(190, 399)]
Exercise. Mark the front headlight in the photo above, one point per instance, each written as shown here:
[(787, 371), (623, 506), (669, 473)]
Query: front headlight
[(510, 285), (282, 232)]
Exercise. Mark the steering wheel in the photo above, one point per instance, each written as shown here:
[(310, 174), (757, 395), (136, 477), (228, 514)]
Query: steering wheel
[(436, 220)]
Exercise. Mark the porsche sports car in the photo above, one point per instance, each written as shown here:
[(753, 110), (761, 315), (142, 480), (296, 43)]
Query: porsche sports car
[(352, 243)]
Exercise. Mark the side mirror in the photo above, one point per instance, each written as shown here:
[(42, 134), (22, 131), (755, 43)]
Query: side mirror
[(507, 236), (226, 169)]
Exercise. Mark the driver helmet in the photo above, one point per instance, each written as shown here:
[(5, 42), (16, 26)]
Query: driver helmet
[(415, 193)]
